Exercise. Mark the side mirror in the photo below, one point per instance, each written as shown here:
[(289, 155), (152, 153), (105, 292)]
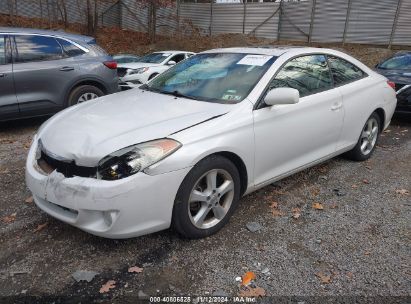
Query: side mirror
[(282, 96), (171, 62)]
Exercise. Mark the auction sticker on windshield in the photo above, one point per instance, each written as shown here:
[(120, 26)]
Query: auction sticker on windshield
[(259, 60)]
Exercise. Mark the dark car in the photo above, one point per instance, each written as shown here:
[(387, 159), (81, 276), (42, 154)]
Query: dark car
[(125, 58), (398, 69), (42, 72)]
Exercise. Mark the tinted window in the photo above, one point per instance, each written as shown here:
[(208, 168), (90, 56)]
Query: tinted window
[(307, 74), (2, 50), (37, 48), (70, 49), (343, 71), (177, 58), (400, 62)]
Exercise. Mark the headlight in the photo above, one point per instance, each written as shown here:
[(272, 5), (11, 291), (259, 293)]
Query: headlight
[(136, 158), (137, 71)]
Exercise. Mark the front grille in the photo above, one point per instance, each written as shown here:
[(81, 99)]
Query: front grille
[(121, 72), (68, 169)]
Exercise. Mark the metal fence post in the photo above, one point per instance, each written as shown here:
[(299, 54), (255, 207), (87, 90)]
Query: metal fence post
[(347, 20), (280, 14), (178, 16), (312, 21), (394, 25), (244, 15), (211, 17)]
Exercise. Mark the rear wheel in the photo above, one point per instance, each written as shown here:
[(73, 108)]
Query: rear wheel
[(206, 198), (368, 139), (84, 93)]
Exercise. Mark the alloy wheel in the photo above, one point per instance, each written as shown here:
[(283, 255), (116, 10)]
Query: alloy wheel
[(369, 136), (211, 198), (87, 97)]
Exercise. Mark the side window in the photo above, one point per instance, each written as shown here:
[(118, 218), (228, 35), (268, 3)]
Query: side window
[(70, 49), (2, 50), (344, 72), (308, 74), (37, 48), (177, 58)]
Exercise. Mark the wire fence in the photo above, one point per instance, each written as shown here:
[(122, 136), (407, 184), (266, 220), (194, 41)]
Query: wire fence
[(383, 22)]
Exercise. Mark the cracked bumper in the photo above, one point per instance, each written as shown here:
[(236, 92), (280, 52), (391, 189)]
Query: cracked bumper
[(130, 207)]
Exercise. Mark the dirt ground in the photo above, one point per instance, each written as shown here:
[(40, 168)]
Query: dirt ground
[(358, 245)]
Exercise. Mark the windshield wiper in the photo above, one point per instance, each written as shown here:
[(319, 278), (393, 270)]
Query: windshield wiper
[(177, 94)]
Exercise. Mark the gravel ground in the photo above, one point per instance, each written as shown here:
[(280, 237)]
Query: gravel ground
[(358, 245)]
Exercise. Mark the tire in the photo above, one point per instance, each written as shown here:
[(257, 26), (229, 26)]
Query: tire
[(359, 153), (197, 181), (84, 90), (152, 76)]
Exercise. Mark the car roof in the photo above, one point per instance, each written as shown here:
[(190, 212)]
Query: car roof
[(264, 50), (59, 33)]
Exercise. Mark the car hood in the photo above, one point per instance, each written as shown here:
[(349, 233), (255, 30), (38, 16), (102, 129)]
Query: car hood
[(398, 76), (87, 132), (137, 65)]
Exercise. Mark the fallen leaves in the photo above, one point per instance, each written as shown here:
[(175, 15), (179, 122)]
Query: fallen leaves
[(247, 278), (9, 218), (109, 285), (317, 206), (135, 269), (296, 213), (252, 292), (274, 209), (40, 227), (324, 279), (402, 192), (29, 200)]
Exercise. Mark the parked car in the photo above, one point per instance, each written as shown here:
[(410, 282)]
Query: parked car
[(42, 72), (125, 58), (398, 69), (181, 150), (148, 67)]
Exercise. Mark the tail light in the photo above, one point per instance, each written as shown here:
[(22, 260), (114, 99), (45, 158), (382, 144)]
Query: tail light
[(391, 84), (110, 64)]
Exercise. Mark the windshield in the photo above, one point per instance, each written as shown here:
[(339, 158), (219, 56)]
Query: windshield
[(154, 58), (215, 77), (402, 62)]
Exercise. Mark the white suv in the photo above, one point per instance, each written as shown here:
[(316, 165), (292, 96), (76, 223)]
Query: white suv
[(148, 67)]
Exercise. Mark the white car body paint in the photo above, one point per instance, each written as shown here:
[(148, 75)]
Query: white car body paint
[(272, 142), (153, 68)]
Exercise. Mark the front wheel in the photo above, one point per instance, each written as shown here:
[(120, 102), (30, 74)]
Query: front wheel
[(206, 198), (368, 139)]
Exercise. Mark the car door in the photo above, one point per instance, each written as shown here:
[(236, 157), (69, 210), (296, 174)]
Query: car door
[(288, 137), (42, 74), (8, 100)]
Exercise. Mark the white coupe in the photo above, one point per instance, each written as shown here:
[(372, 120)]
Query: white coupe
[(183, 149), (132, 74)]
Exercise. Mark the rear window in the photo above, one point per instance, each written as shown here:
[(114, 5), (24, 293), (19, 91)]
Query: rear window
[(401, 62), (70, 49), (343, 71), (37, 48)]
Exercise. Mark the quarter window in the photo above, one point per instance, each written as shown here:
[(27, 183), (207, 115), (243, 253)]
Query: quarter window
[(2, 50), (37, 48), (70, 49), (177, 58), (344, 72), (307, 74)]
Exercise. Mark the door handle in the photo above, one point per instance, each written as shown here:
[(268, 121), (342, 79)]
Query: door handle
[(336, 106), (2, 75), (66, 69)]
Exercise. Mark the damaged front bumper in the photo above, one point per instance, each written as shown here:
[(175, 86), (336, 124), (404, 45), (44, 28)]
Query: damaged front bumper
[(124, 208)]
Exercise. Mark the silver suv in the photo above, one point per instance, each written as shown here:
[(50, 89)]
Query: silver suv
[(42, 72)]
